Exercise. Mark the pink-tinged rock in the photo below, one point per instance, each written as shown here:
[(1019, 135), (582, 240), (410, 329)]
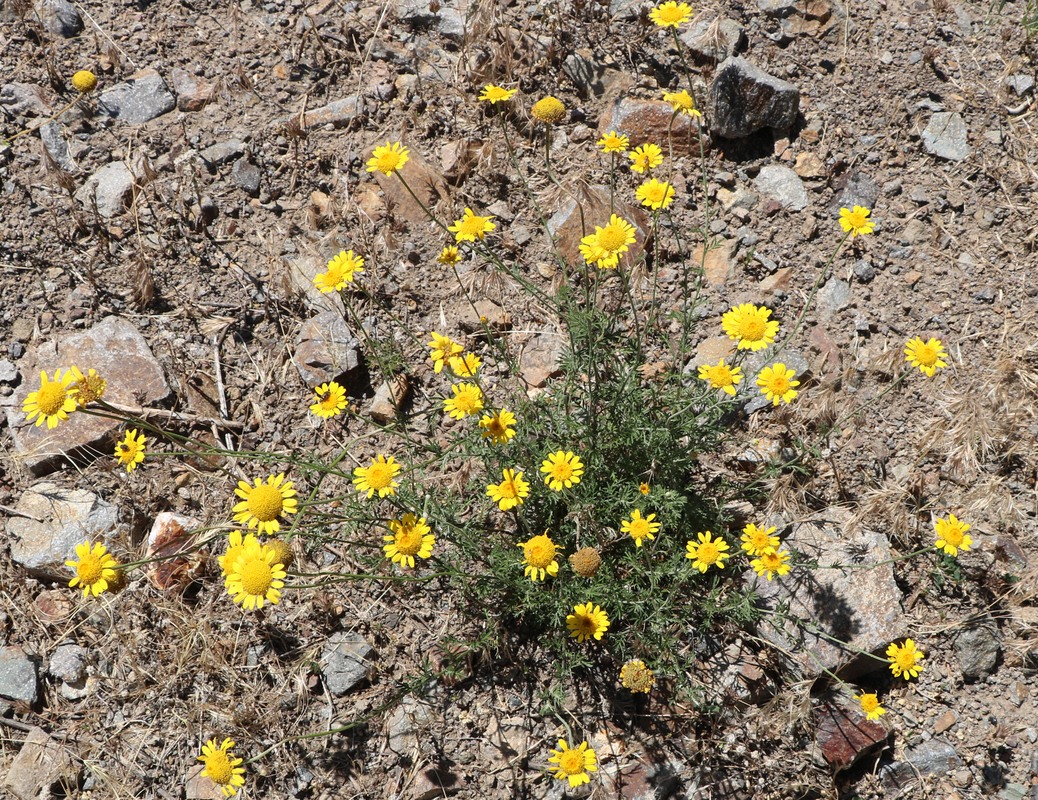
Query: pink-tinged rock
[(436, 781), (843, 734), (172, 543), (338, 113), (572, 222), (193, 93), (712, 350), (198, 788), (540, 357), (42, 763), (120, 355), (54, 606), (425, 181), (650, 121), (389, 399), (717, 266)]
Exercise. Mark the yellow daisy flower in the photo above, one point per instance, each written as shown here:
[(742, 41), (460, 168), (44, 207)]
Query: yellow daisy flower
[(905, 660), (221, 767), (707, 552), (751, 326), (771, 562), (605, 246), (856, 222), (378, 477), (671, 14), (498, 427), (465, 366), (95, 569), (951, 535), (640, 527), (870, 705), (449, 256), (574, 764), (235, 547), (340, 272), (471, 227), (331, 400), (648, 156), (614, 142), (927, 357), (654, 194), (442, 349), (89, 387), (776, 383), (636, 677), (548, 110), (130, 451), (53, 401), (262, 503), (388, 158), (410, 537), (683, 103), (467, 400), (511, 492), (255, 577), (539, 557), (721, 376), (562, 469), (496, 94), (757, 541), (586, 622)]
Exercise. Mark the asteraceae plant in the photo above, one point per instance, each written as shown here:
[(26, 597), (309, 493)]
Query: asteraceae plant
[(751, 326), (856, 222), (89, 388), (640, 527), (905, 660), (388, 158), (449, 256), (587, 621), (471, 227), (682, 103), (636, 677), (870, 705), (410, 537), (655, 194), (53, 401), (331, 400), (648, 156), (771, 562), (757, 541), (776, 383), (562, 469), (548, 110), (221, 767), (442, 349), (130, 451), (498, 427), (379, 477), (236, 545), (340, 272), (511, 492), (670, 14), (465, 366), (707, 552), (927, 357), (721, 376), (467, 400), (255, 577), (84, 81), (496, 94), (262, 503), (539, 557), (605, 246), (614, 143), (951, 535), (574, 764), (95, 568)]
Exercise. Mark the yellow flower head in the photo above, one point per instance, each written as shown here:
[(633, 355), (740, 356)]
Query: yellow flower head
[(470, 227), (905, 660), (221, 767), (130, 451), (379, 477), (498, 427), (53, 401), (643, 488), (655, 194), (721, 376), (951, 535), (707, 552), (262, 503), (467, 400), (640, 527), (465, 366), (548, 110), (235, 547), (573, 764), (410, 537), (771, 562), (605, 246), (84, 81), (927, 356), (682, 103), (539, 557), (255, 577), (89, 387), (614, 142), (751, 326), (449, 256), (776, 383), (856, 222), (670, 14), (388, 158), (95, 568), (340, 272), (636, 677), (870, 705), (442, 349), (331, 400), (648, 156), (511, 492), (496, 94), (587, 621), (562, 469), (757, 541)]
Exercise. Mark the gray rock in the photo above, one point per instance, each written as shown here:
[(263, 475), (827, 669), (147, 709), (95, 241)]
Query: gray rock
[(57, 148), (345, 661), (51, 521), (864, 271), (1020, 84), (222, 152), (59, 17), (748, 390), (946, 137), (110, 189), (247, 176), (401, 727), (777, 8), (743, 99), (141, 98), (326, 350), (783, 186), (860, 190), (833, 297), (19, 675), (978, 650), (8, 371), (68, 663), (714, 39), (585, 72), (24, 98), (627, 9), (540, 358), (933, 757), (915, 232), (451, 24), (193, 93), (41, 764)]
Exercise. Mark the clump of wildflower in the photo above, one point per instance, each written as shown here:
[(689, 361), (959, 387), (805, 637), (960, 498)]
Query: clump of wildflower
[(682, 103), (53, 401), (771, 562), (648, 156), (951, 535), (498, 427), (654, 194), (283, 554), (562, 469), (614, 142), (707, 552), (605, 246), (721, 376), (511, 492), (586, 622), (449, 256), (221, 767), (539, 557), (670, 14), (130, 451), (856, 222), (574, 764), (927, 357), (636, 677), (410, 537), (870, 705), (331, 400), (262, 503), (442, 349), (640, 527), (340, 272), (750, 326), (255, 577), (84, 81), (776, 383), (388, 158), (585, 562), (905, 660), (471, 227), (548, 110), (757, 541), (236, 545), (467, 400), (496, 94), (465, 366), (89, 388), (95, 568), (379, 477)]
